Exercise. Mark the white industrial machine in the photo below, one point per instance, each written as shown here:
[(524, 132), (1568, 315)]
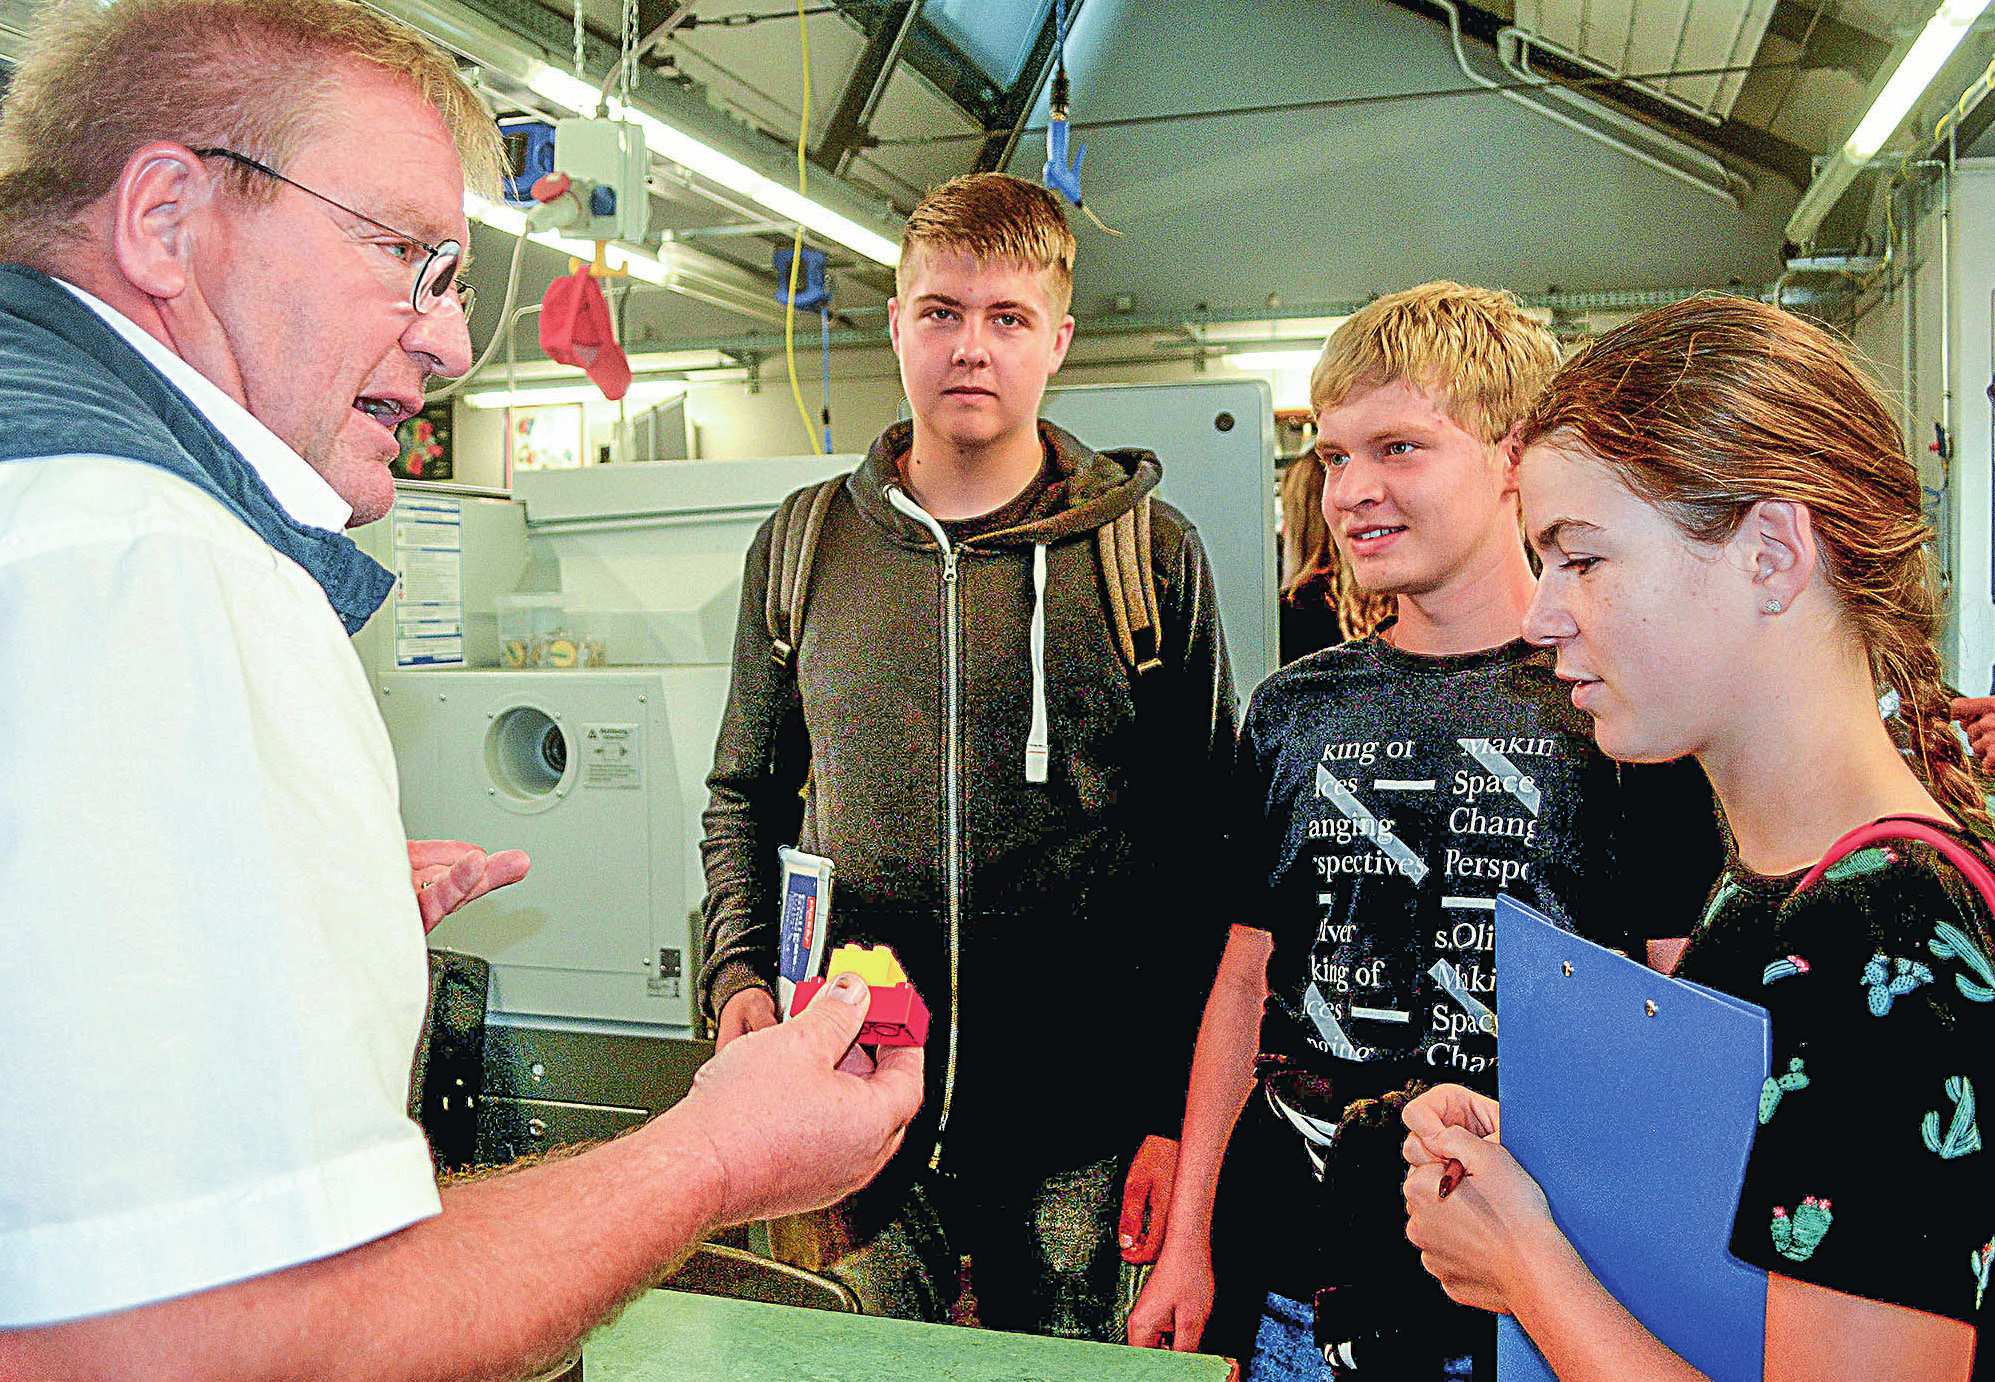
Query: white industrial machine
[(598, 772), (1216, 440)]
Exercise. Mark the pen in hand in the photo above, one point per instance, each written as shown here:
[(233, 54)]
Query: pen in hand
[(1452, 1176)]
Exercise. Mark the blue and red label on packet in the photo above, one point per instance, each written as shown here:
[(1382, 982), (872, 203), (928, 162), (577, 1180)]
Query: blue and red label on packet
[(805, 916)]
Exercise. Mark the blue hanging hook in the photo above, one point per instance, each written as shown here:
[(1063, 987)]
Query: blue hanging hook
[(1058, 176)]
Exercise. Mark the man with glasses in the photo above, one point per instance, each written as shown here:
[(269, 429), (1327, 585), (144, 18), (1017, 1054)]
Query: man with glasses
[(436, 278), (231, 232)]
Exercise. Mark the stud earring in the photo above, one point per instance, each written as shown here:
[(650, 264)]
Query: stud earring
[(1772, 606)]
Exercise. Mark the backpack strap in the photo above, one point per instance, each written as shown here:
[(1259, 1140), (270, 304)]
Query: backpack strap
[(1129, 578), (1974, 864), (792, 553)]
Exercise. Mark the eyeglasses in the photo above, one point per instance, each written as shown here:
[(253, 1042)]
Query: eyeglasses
[(436, 281)]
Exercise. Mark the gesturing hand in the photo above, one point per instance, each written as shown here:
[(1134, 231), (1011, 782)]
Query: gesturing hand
[(446, 874)]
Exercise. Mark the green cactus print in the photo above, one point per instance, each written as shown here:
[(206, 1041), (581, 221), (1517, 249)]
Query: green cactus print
[(1963, 1136), (1856, 865), (1978, 1261), (1726, 889), (1797, 1238), (1784, 968), (1777, 1085), (1889, 980), (1953, 944)]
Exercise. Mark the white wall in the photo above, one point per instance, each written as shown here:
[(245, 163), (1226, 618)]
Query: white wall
[(1963, 515), (734, 421)]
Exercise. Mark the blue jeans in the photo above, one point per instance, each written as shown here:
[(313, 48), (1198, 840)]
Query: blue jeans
[(1285, 1348)]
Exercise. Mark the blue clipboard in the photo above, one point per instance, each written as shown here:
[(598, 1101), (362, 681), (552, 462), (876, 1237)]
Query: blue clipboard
[(1632, 1098)]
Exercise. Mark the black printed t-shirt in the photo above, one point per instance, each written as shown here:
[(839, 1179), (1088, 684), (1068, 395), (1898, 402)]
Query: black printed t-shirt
[(1397, 795), (1867, 1173), (1385, 799)]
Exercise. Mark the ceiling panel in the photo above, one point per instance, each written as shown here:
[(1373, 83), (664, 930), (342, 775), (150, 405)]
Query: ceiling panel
[(1653, 38), (757, 68), (1820, 110), (913, 109), (996, 37), (1336, 204), (1401, 173)]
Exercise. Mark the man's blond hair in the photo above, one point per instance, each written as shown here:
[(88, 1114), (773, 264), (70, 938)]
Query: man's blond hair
[(995, 218), (1472, 350), (258, 76)]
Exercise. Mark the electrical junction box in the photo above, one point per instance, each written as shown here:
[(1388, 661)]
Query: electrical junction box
[(529, 157), (599, 776), (610, 154)]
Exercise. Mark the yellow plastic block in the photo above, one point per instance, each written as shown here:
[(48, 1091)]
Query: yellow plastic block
[(877, 966)]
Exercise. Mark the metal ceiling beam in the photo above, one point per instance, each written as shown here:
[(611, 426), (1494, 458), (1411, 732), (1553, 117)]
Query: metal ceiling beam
[(1016, 107), (1749, 142), (848, 130), (652, 13), (1829, 42), (945, 66)]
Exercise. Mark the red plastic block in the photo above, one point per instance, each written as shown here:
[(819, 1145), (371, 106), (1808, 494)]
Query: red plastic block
[(897, 1016)]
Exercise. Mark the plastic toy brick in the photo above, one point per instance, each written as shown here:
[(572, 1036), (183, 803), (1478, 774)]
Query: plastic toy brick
[(897, 1016)]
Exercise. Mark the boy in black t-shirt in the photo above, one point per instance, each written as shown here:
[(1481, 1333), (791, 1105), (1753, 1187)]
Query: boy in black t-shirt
[(1389, 789)]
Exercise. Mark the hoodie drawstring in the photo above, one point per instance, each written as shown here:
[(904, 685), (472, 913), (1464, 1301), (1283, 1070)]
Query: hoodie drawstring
[(1037, 747), (1038, 739)]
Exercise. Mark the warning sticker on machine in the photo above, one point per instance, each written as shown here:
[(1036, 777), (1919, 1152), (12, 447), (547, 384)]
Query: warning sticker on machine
[(612, 756)]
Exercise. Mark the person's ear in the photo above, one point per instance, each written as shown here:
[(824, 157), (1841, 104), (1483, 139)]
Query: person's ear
[(894, 322), (1509, 456), (153, 209), (1063, 337), (1777, 544)]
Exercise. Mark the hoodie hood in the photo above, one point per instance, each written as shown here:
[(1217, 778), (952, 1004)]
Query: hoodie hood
[(1098, 486)]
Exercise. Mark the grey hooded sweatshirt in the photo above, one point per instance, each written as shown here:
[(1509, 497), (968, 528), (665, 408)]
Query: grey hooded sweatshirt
[(904, 749)]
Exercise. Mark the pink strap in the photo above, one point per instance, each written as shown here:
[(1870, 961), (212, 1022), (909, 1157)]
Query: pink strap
[(1972, 863)]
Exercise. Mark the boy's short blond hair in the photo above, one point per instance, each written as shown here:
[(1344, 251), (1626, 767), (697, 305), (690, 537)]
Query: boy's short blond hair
[(1472, 350), (993, 217)]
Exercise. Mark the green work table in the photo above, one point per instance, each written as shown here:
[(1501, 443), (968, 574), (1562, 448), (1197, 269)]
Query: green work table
[(674, 1336)]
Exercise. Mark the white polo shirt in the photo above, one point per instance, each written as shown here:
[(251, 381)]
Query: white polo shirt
[(214, 974)]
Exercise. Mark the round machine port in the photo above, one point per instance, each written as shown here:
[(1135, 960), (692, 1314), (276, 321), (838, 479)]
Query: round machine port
[(527, 757)]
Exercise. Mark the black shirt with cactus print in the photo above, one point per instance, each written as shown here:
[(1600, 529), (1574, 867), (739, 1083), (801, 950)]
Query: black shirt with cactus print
[(1867, 1173)]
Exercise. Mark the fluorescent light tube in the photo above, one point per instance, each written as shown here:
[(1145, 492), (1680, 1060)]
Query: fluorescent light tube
[(512, 221), (1276, 359), (642, 392), (1927, 55), (570, 90), (711, 163), (1277, 334)]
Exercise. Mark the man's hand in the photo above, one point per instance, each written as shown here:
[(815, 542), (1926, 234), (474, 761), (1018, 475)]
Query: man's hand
[(449, 873), (1977, 716), (750, 1010), (1176, 1301), (1146, 1199), (791, 1115)]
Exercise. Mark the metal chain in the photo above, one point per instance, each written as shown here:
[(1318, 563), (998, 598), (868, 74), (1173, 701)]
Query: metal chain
[(580, 35), (627, 69)]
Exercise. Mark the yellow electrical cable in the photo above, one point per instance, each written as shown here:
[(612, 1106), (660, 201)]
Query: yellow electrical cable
[(797, 249)]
